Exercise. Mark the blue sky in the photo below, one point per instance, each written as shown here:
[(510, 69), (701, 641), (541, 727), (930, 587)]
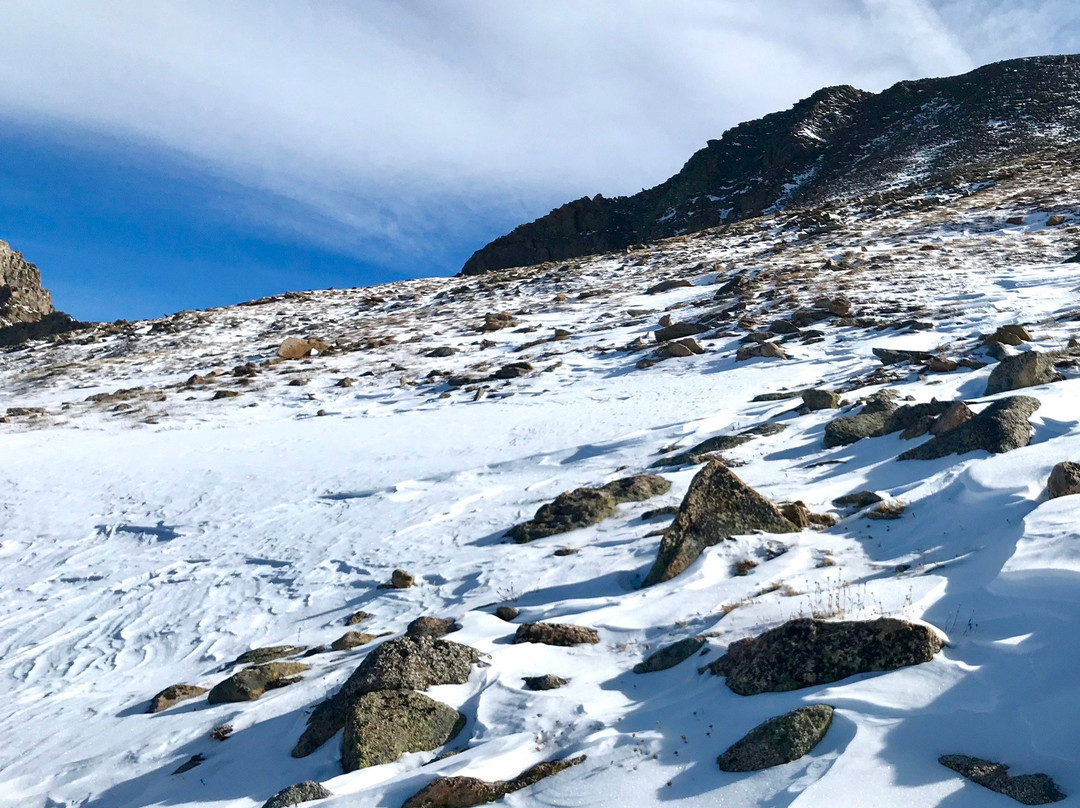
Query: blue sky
[(171, 155)]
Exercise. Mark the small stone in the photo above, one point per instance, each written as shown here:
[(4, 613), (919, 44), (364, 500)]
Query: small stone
[(507, 613), (1055, 220), (356, 617), (220, 394), (548, 681), (400, 579), (174, 694), (860, 499), (940, 364)]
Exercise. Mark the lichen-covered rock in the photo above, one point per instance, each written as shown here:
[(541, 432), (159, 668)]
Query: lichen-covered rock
[(807, 652), (382, 726), (869, 420), (1027, 369), (1028, 789), (250, 683), (670, 656), (779, 740), (638, 488), (431, 627), (717, 505), (350, 640), (802, 517), (1001, 427), (569, 511), (296, 794), (549, 681), (561, 634), (174, 694), (407, 663), (820, 399), (465, 792), (1064, 480), (260, 656)]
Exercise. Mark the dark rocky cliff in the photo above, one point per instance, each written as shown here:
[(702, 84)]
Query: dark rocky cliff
[(839, 143)]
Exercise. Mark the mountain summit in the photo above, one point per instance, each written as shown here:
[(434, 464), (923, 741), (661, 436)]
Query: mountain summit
[(840, 143)]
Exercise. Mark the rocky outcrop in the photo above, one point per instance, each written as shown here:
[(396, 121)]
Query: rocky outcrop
[(1027, 789), (779, 740), (1028, 369), (382, 726), (717, 505), (807, 652), (464, 792), (840, 143), (1001, 427), (22, 300)]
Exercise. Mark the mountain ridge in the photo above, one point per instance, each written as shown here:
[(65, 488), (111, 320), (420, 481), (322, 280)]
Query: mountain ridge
[(839, 143)]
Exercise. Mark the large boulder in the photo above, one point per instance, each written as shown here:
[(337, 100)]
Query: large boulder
[(1027, 789), (670, 656), (1001, 427), (250, 683), (174, 694), (1064, 480), (779, 740), (807, 652), (465, 792), (382, 726), (1027, 369), (868, 421), (569, 511), (717, 505), (296, 794), (407, 663)]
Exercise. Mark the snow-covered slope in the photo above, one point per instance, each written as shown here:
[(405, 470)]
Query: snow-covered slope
[(151, 535)]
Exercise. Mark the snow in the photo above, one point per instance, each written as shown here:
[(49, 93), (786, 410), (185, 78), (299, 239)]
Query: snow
[(152, 544)]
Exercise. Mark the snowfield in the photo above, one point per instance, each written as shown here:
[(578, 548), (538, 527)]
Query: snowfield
[(150, 537)]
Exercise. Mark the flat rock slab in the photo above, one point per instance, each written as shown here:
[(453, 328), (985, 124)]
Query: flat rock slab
[(174, 694), (807, 652), (717, 505), (548, 681), (848, 429), (250, 683), (382, 726), (1001, 427), (1028, 789), (779, 740), (670, 656), (560, 634), (259, 656)]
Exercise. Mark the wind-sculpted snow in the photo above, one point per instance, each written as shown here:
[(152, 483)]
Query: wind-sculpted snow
[(153, 531)]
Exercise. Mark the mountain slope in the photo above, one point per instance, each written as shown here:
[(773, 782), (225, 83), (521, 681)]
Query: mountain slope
[(841, 143)]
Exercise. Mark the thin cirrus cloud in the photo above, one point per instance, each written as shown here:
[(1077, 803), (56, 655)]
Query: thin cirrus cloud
[(381, 128)]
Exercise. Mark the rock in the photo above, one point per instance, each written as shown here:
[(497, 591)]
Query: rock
[(940, 364), (345, 381), (400, 579), (220, 394), (465, 792), (670, 656), (805, 652), (659, 513), (569, 511), (682, 348), (514, 370), (507, 613), (680, 330), (497, 321), (441, 352), (860, 499), (382, 726), (956, 415), (838, 305), (295, 795), (1055, 220), (717, 505), (820, 400), (190, 763), (561, 634), (1015, 220), (431, 627), (23, 301), (407, 663), (912, 420), (1064, 480), (720, 443), (350, 640), (174, 694), (1028, 789), (548, 681), (665, 286), (805, 317), (869, 420), (293, 348), (637, 488), (356, 617), (779, 740), (890, 356), (1027, 369), (259, 656), (665, 321), (1012, 335), (765, 350), (1001, 427), (802, 517), (250, 683), (783, 327)]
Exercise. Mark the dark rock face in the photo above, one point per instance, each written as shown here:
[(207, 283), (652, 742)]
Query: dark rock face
[(555, 634), (1028, 789), (717, 505), (174, 694), (296, 794), (779, 740), (431, 627), (569, 511), (869, 420), (670, 656), (806, 652), (382, 726), (408, 663), (464, 792), (1023, 370), (1064, 480), (1001, 427), (250, 683), (839, 143)]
